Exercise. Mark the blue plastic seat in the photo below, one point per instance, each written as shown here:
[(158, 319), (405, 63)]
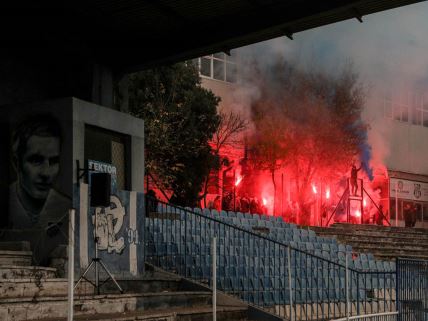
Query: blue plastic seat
[(231, 214)]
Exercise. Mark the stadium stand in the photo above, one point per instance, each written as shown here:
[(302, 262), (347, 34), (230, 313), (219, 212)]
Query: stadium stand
[(267, 262), (30, 292), (383, 242)]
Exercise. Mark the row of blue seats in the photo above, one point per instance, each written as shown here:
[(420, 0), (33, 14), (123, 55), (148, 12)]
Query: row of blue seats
[(336, 252), (278, 233), (315, 289), (255, 266), (266, 255)]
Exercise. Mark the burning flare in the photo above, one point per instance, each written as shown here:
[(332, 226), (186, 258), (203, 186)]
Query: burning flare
[(238, 180), (314, 188), (327, 194)]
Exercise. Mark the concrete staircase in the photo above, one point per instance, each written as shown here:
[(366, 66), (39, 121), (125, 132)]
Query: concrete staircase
[(384, 242), (35, 293)]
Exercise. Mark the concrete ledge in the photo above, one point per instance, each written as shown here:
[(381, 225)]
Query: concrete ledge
[(179, 314), (56, 307), (15, 257), (28, 271)]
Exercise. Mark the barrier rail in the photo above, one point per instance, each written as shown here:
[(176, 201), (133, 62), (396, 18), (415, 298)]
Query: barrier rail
[(387, 316), (289, 282), (412, 289)]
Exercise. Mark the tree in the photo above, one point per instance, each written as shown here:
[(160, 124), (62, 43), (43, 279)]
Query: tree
[(269, 146), (227, 136), (180, 118), (316, 119)]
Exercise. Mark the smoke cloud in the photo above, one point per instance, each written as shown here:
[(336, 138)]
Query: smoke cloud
[(388, 50)]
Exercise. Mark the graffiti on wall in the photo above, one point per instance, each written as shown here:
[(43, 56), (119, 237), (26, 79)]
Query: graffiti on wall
[(109, 225)]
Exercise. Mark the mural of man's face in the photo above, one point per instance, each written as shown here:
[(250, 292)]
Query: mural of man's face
[(39, 166)]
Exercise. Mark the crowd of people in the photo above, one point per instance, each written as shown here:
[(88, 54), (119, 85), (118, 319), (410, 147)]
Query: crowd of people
[(237, 203)]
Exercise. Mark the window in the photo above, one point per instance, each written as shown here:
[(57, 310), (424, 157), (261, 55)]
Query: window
[(406, 107), (112, 148), (387, 106), (219, 66)]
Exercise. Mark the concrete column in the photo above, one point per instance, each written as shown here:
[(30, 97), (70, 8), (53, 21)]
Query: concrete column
[(102, 86)]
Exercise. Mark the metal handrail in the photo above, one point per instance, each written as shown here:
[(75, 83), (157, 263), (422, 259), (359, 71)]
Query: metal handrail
[(367, 316), (269, 260)]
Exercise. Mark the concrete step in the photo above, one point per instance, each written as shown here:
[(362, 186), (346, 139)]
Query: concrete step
[(15, 257), (378, 227), (374, 234), (56, 307), (388, 256), (376, 244), (44, 287), (35, 288), (384, 240), (202, 313), (26, 272), (391, 251), (15, 246), (369, 228)]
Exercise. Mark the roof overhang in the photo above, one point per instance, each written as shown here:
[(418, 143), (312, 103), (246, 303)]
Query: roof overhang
[(136, 34)]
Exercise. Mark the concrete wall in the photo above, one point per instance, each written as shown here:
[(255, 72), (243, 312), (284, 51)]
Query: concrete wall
[(400, 146), (91, 114)]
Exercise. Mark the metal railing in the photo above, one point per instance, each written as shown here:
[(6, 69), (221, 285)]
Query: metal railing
[(412, 289), (386, 316), (289, 282)]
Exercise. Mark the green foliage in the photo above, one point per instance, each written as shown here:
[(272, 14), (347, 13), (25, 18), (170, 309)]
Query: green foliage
[(180, 118)]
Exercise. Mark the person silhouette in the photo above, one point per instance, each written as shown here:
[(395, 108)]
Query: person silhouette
[(354, 179)]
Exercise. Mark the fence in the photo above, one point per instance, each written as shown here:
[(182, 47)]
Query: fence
[(412, 289), (387, 316), (289, 282)]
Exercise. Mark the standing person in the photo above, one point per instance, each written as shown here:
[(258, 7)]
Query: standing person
[(36, 149), (379, 216), (151, 201), (245, 204), (354, 179), (407, 212), (217, 203), (413, 215)]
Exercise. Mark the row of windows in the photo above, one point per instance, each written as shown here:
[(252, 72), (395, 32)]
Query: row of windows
[(219, 66), (407, 108)]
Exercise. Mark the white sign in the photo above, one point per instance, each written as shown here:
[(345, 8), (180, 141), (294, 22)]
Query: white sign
[(411, 190)]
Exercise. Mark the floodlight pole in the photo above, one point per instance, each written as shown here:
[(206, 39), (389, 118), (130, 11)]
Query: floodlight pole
[(396, 202), (70, 311)]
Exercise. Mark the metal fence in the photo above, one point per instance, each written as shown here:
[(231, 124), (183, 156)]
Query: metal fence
[(386, 316), (286, 281), (412, 290)]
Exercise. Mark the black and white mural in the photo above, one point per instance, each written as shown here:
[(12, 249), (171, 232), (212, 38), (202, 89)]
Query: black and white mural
[(48, 151), (36, 174)]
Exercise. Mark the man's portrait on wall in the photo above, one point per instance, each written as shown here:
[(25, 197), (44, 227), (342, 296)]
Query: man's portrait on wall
[(34, 202)]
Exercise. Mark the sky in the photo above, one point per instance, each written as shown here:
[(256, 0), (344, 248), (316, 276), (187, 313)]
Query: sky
[(389, 50), (388, 46)]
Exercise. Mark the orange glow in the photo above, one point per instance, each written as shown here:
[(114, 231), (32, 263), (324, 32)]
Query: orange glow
[(364, 202), (264, 201), (314, 189), (327, 194), (357, 213)]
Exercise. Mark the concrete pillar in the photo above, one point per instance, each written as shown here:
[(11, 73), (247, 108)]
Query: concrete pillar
[(102, 86)]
